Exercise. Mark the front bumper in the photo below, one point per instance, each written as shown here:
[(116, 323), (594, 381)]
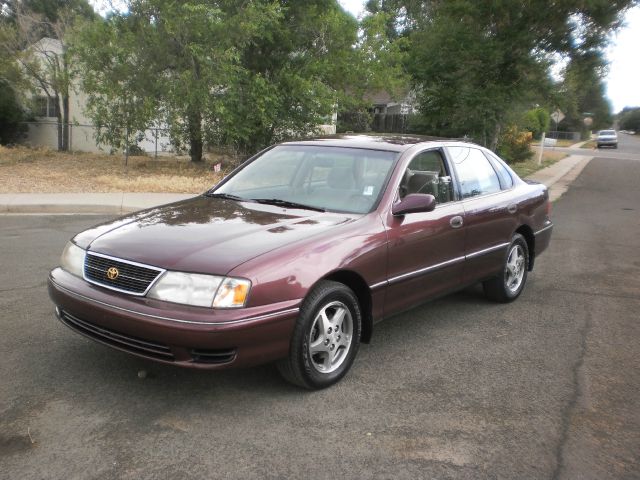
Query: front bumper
[(170, 333), (607, 143)]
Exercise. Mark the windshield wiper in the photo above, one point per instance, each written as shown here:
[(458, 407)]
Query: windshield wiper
[(285, 203), (226, 196)]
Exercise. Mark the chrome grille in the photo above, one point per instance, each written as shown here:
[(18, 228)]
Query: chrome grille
[(131, 277)]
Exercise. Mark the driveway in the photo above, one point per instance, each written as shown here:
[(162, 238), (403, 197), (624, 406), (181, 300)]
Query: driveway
[(546, 387)]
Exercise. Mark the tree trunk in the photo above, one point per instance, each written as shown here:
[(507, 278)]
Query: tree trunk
[(65, 123), (496, 137), (195, 135), (56, 99)]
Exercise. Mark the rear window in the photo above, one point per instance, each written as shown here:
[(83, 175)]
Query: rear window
[(607, 132)]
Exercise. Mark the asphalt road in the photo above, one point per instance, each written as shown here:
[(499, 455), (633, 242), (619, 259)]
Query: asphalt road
[(547, 387), (628, 149)]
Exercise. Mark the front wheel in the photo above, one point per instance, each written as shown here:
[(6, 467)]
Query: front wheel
[(325, 339), (508, 285)]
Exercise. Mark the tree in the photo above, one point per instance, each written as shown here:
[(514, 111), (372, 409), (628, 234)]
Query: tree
[(536, 121), (123, 96), (474, 62), (12, 115), (293, 77), (583, 92), (242, 74), (629, 119), (39, 44), (168, 62)]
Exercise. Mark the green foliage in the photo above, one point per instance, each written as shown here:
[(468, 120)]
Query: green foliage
[(629, 119), (357, 120), (121, 85), (11, 115), (475, 62), (515, 145), (34, 41), (536, 121), (582, 92), (292, 77), (238, 74)]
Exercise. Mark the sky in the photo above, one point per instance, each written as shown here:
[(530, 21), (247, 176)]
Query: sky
[(623, 79)]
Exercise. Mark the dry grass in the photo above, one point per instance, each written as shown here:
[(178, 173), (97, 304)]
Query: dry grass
[(526, 168), (30, 170), (559, 143)]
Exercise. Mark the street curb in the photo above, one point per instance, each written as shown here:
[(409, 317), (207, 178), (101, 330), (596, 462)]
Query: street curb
[(68, 209), (562, 183)]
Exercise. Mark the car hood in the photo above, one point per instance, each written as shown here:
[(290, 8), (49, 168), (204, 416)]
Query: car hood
[(204, 234)]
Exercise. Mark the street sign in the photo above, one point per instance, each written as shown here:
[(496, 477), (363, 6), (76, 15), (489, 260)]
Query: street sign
[(557, 116)]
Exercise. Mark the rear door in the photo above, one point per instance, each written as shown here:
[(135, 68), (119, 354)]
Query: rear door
[(489, 211)]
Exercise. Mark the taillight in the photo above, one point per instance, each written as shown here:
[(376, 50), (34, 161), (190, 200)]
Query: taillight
[(548, 209)]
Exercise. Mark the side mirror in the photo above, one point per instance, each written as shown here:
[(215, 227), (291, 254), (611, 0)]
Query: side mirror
[(414, 203)]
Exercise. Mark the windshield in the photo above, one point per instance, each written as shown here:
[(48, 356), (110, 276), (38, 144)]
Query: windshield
[(607, 132), (323, 178)]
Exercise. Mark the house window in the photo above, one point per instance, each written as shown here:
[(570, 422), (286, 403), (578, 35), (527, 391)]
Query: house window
[(46, 107)]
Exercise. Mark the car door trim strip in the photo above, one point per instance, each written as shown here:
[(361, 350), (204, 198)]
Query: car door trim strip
[(544, 229), (424, 271), (487, 250), (438, 266)]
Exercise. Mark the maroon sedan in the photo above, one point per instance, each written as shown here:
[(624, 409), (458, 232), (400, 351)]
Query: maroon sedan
[(300, 251)]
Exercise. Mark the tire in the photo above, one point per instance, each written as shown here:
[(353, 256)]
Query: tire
[(508, 285), (321, 354)]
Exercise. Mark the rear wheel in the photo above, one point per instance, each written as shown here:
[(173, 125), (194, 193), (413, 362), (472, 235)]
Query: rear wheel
[(508, 286), (325, 339)]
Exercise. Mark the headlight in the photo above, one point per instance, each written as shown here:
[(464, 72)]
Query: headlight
[(72, 259), (200, 290)]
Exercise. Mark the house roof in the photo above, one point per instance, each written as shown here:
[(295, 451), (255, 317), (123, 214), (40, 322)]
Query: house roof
[(383, 97)]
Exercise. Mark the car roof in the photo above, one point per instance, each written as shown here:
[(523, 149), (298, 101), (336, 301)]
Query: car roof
[(389, 142)]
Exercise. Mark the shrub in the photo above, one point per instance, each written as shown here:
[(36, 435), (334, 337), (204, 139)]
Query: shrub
[(12, 116), (515, 145), (536, 121)]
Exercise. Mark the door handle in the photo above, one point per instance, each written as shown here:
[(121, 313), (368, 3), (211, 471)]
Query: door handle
[(512, 208), (456, 222)]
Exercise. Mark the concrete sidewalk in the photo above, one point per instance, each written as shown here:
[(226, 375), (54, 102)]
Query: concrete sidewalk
[(106, 203), (557, 177)]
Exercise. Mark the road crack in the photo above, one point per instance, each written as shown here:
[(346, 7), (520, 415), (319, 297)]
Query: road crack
[(570, 408)]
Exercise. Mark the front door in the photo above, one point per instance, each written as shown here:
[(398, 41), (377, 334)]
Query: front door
[(426, 250)]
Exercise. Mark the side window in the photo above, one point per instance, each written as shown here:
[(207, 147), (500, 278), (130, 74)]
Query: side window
[(427, 174), (475, 173), (506, 180)]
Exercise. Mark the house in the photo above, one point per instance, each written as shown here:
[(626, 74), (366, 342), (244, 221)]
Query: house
[(44, 131), (384, 102)]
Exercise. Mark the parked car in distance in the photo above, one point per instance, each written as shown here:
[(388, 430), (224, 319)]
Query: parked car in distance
[(296, 254), (607, 138)]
